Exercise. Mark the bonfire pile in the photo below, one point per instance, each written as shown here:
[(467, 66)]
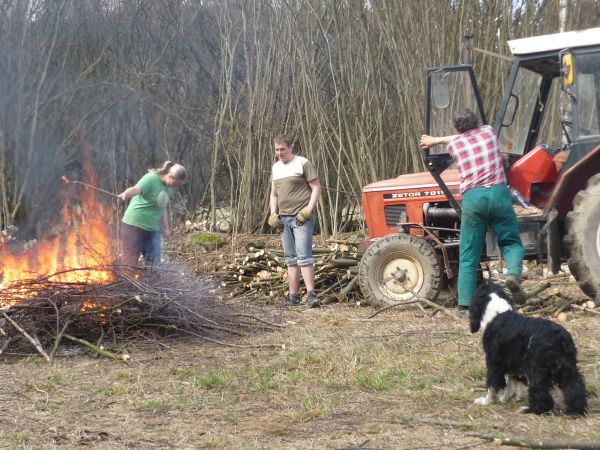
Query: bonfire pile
[(43, 314), (263, 273)]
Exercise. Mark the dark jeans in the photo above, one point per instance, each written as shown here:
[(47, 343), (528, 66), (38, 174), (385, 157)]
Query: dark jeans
[(137, 241)]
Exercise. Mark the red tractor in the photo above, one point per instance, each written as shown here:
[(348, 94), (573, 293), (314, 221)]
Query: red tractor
[(551, 104)]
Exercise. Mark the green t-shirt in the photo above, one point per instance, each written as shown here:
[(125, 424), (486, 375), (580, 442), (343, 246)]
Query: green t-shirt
[(146, 208)]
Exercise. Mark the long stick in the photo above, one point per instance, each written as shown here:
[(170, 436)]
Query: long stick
[(34, 341), (540, 443), (98, 349), (67, 181), (95, 188)]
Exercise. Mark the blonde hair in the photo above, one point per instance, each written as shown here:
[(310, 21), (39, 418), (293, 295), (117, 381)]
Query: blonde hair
[(177, 170)]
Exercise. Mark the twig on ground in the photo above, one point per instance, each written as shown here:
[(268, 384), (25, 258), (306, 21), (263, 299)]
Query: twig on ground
[(30, 338), (98, 349), (541, 443)]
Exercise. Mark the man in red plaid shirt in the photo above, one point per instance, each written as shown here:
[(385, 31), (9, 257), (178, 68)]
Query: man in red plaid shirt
[(486, 202)]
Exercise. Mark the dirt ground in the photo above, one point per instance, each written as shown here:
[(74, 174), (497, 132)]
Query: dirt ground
[(315, 378)]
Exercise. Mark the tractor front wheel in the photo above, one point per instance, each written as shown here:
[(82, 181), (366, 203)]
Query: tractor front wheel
[(583, 238), (396, 263)]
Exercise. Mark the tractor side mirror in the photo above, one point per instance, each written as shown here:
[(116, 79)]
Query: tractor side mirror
[(567, 70), (511, 110), (440, 92)]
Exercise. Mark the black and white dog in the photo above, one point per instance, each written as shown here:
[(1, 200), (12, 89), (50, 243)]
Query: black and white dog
[(534, 350)]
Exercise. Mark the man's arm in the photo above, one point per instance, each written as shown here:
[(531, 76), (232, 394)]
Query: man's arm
[(429, 141), (315, 187), (273, 199)]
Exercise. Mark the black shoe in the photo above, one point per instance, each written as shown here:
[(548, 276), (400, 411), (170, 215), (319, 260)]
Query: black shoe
[(313, 301), (292, 300), (514, 286)]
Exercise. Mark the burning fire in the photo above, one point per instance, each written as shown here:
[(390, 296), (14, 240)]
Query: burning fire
[(76, 251)]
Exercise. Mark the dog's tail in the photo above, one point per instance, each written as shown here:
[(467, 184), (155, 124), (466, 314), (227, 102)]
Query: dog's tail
[(572, 385)]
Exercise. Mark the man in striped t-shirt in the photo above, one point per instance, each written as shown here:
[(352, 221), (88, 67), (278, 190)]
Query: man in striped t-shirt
[(295, 190), (486, 201)]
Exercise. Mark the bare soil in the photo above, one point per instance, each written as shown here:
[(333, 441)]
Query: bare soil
[(401, 380)]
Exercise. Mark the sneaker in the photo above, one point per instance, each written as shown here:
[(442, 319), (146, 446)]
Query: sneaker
[(514, 286), (313, 300), (463, 312), (292, 300)]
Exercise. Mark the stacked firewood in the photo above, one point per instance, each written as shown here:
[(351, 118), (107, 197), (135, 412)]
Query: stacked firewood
[(263, 273)]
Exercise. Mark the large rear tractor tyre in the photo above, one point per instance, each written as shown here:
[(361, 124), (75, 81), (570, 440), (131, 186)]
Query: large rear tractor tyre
[(395, 261), (583, 238)]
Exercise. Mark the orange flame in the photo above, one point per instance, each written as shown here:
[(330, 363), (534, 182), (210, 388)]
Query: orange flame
[(76, 251)]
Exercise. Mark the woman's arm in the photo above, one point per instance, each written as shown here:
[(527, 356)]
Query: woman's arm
[(164, 225), (129, 192)]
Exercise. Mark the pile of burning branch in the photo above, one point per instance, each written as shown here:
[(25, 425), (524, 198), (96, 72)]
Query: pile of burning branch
[(42, 314), (263, 273)]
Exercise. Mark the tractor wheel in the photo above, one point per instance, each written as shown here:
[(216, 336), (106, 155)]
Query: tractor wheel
[(583, 238), (395, 261)]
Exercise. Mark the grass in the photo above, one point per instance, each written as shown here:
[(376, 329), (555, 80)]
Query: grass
[(400, 381)]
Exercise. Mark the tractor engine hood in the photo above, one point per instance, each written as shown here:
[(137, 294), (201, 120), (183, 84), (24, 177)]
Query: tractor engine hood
[(412, 181)]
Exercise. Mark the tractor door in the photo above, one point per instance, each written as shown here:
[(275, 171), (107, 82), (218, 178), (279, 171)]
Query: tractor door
[(447, 90)]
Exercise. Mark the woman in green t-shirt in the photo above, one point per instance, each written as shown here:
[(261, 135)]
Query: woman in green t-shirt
[(146, 214)]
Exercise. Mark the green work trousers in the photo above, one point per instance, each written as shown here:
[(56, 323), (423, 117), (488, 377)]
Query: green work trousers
[(482, 207)]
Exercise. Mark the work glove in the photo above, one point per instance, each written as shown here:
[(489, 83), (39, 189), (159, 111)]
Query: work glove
[(274, 220), (304, 215)]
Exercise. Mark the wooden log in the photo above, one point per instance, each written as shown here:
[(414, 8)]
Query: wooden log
[(342, 296)]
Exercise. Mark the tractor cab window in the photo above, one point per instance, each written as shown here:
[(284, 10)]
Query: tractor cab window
[(587, 94), (556, 113), (521, 107)]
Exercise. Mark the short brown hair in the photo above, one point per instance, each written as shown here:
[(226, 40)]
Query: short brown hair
[(283, 139), (465, 120)]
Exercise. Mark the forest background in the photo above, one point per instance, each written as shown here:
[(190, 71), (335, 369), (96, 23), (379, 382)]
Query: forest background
[(126, 84)]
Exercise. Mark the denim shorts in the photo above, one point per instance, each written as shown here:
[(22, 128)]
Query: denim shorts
[(297, 241)]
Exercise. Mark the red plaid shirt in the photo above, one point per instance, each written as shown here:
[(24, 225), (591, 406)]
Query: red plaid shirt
[(477, 158)]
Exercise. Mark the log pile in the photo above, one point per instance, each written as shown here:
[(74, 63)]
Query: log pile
[(262, 273), (41, 315), (543, 301)]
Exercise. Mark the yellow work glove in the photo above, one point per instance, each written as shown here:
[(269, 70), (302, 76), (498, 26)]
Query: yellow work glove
[(274, 220), (303, 215)]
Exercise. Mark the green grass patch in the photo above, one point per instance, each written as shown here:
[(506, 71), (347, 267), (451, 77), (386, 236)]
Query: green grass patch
[(20, 438), (119, 390), (57, 378), (155, 406), (594, 434), (380, 380), (263, 379), (207, 241), (211, 380), (592, 388), (306, 360)]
